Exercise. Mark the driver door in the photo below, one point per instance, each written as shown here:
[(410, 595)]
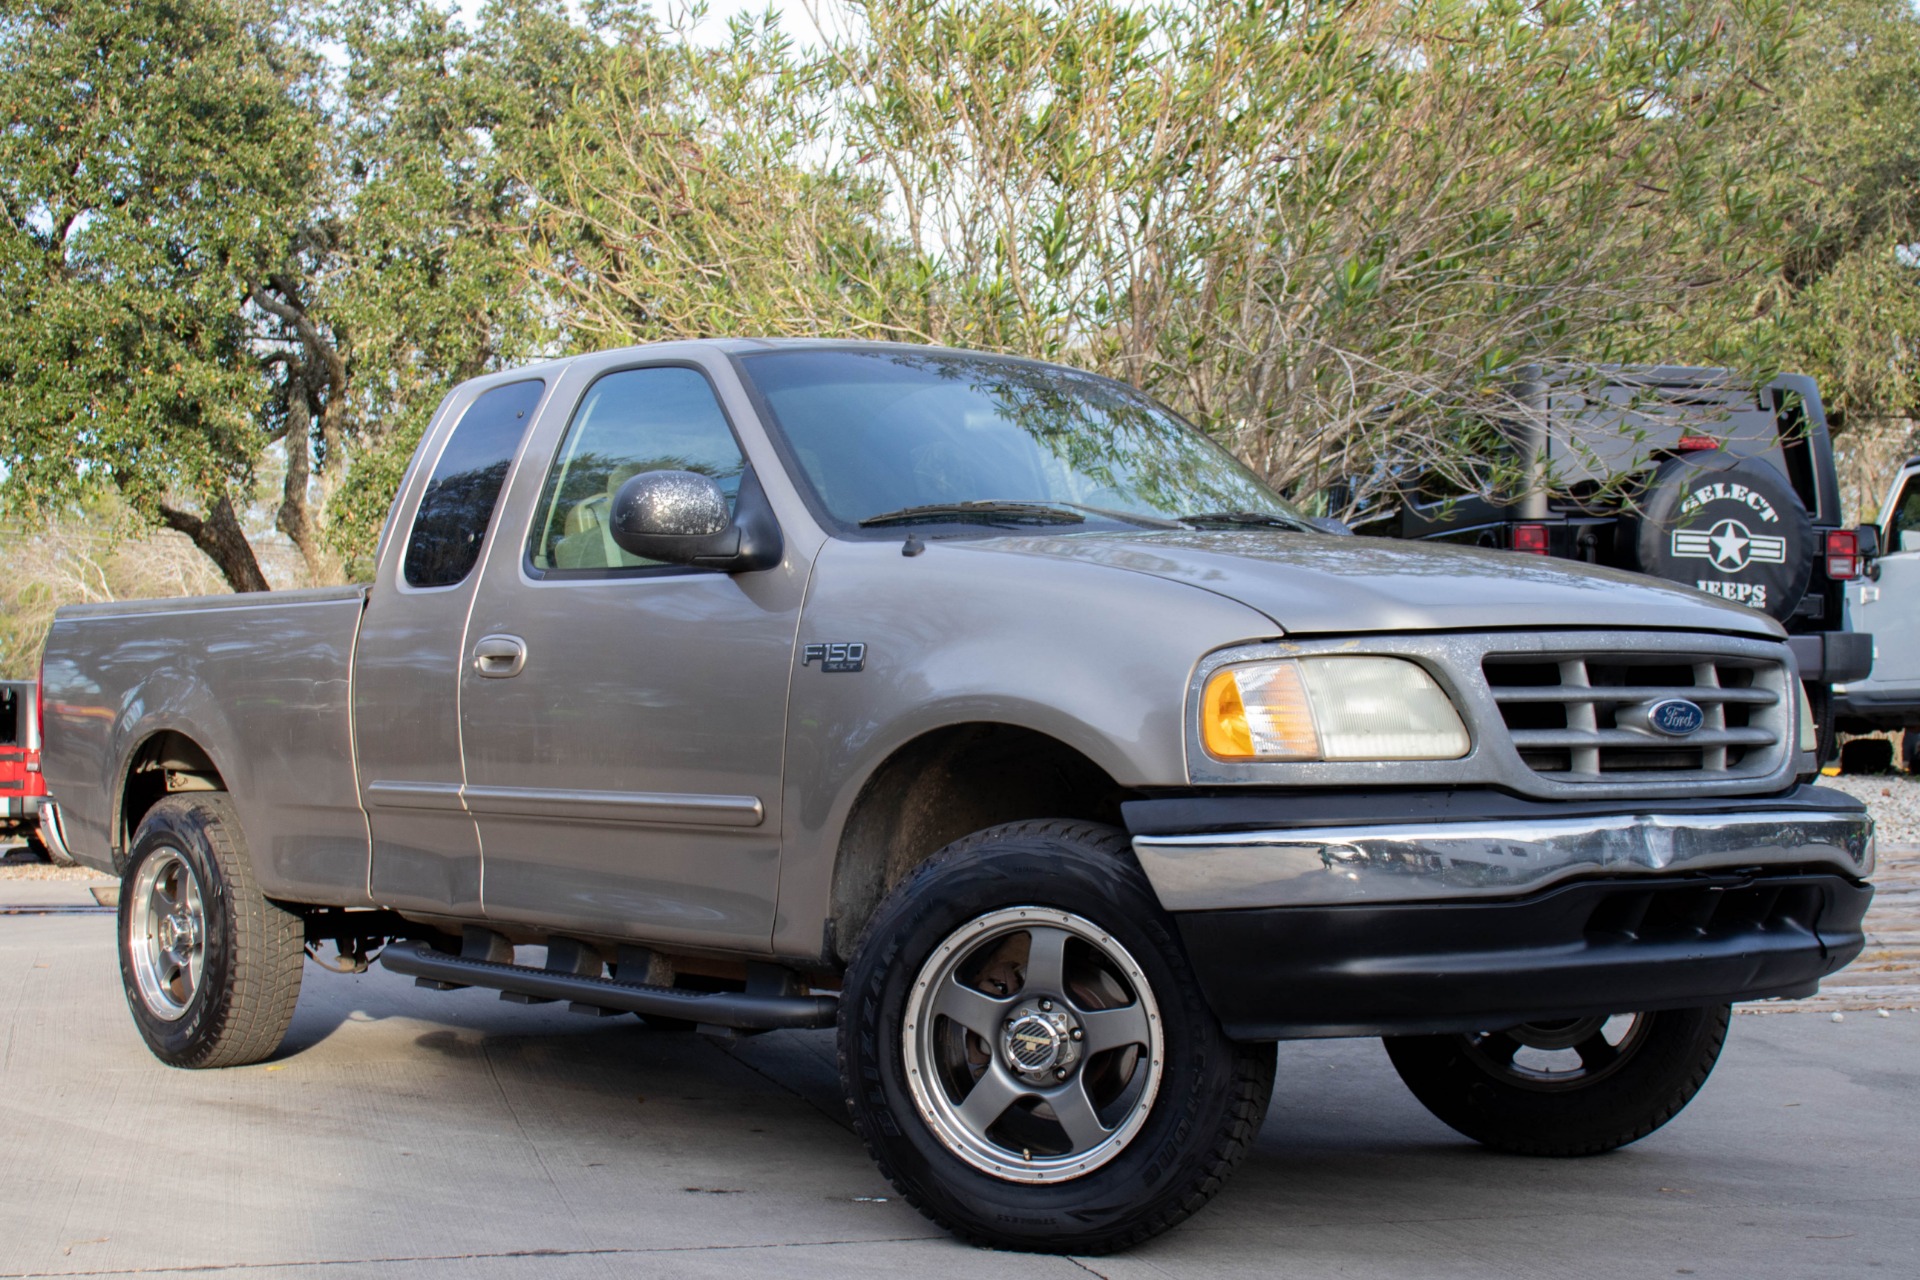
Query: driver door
[(623, 720)]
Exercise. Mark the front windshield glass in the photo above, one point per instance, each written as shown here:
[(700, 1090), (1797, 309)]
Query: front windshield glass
[(895, 437)]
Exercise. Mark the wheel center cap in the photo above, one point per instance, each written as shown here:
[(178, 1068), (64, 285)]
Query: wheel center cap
[(1038, 1044), (176, 933)]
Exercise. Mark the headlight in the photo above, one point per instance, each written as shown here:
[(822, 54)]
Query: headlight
[(1334, 708)]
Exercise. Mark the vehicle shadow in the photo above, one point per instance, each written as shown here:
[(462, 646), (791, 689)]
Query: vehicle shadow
[(1343, 1140)]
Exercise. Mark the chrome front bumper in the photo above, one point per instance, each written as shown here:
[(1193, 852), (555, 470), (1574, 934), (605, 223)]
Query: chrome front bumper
[(1454, 861)]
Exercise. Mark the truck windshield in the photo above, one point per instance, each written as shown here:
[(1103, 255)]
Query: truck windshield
[(899, 437)]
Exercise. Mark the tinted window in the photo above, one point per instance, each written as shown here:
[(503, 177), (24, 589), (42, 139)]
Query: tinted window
[(465, 486), (880, 433), (637, 420), (1905, 520)]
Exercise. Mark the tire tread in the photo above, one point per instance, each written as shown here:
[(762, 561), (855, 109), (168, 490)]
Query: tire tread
[(267, 941)]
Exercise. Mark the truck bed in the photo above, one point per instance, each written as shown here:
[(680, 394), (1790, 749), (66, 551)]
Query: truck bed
[(263, 682)]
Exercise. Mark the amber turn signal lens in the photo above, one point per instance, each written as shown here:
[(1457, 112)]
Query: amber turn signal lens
[(1258, 713)]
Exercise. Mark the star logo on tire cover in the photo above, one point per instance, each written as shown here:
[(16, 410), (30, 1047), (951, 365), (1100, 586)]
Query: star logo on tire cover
[(1730, 545)]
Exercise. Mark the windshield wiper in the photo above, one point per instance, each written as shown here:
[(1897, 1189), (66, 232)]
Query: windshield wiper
[(1246, 520), (985, 512)]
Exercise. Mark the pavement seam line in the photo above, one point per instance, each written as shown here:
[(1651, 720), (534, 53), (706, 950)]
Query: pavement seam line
[(214, 1267)]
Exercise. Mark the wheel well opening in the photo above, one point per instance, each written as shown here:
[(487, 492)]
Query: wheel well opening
[(948, 784), (162, 765)]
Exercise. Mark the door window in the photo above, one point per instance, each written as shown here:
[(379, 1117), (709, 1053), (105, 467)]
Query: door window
[(660, 419), (1903, 531), (457, 507)]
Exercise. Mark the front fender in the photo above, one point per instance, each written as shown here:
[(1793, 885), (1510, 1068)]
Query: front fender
[(1094, 656)]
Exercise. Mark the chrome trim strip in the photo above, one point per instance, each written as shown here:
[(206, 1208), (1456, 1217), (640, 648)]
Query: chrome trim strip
[(443, 797), (1329, 866), (616, 806)]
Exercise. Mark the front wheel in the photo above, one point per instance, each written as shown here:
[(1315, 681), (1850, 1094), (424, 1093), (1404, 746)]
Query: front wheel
[(1027, 1054), (1571, 1087)]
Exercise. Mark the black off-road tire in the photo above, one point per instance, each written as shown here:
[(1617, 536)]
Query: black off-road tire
[(252, 952), (1667, 1066), (1212, 1094)]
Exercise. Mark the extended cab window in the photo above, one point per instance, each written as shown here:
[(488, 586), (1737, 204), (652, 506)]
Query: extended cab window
[(465, 486), (662, 419)]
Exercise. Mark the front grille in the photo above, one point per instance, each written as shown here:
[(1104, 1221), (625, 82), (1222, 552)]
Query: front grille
[(1571, 716)]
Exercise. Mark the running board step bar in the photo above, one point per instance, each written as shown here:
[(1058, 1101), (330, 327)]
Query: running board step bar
[(739, 1010)]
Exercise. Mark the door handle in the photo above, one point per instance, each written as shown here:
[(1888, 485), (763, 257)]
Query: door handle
[(497, 657)]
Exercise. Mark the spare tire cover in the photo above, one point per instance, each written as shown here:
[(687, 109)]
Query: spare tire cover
[(1730, 526)]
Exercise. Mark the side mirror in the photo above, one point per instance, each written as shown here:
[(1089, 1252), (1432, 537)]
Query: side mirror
[(681, 517), (1866, 538)]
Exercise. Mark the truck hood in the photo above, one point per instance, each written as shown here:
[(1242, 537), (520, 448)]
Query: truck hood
[(1325, 583)]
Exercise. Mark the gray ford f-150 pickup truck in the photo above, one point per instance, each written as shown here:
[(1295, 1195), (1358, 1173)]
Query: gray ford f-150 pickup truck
[(985, 710)]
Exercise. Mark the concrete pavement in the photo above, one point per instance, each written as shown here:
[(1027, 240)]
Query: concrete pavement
[(420, 1135)]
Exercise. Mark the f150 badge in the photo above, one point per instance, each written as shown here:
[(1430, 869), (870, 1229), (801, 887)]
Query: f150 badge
[(839, 655)]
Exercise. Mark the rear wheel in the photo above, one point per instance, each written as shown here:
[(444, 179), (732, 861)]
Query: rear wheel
[(211, 968), (1570, 1087), (1027, 1054)]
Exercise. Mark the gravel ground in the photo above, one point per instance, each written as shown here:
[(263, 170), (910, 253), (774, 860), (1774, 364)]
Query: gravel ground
[(1892, 798), (41, 871), (17, 864)]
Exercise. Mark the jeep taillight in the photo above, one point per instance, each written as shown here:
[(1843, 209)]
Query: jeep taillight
[(1530, 538), (1843, 555)]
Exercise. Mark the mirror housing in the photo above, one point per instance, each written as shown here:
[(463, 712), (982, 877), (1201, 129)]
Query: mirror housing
[(1867, 538), (680, 517)]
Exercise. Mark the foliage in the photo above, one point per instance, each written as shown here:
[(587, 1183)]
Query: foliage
[(157, 153), (1841, 296), (249, 245), (442, 138), (87, 555), (1325, 233)]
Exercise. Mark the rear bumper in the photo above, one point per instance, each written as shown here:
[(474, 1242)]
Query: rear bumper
[(18, 811), (1478, 912), (1833, 657)]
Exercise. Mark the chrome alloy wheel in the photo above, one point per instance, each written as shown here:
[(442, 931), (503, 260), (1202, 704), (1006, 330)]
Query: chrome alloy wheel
[(1033, 1045), (167, 934)]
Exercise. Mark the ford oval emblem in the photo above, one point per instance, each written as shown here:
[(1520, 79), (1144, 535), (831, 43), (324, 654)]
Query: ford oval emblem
[(1675, 717)]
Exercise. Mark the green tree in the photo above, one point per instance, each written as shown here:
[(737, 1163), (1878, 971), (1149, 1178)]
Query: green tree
[(1839, 296), (1326, 233), (161, 160), (443, 139)]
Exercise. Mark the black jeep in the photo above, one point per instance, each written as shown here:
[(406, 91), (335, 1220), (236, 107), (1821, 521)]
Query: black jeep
[(1682, 473)]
